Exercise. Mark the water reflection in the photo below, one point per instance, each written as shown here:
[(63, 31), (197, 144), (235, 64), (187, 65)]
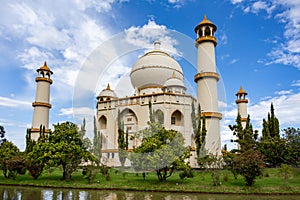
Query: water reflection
[(29, 193)]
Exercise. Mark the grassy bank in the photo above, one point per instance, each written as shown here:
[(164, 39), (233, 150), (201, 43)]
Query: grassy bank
[(270, 183)]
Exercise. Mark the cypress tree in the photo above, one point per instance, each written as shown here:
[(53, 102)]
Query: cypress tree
[(271, 126)]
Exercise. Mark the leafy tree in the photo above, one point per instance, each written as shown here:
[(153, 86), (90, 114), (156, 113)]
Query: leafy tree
[(246, 137), (2, 135), (122, 143), (97, 142), (228, 158), (162, 151), (250, 165), (285, 171), (8, 151), (62, 147), (292, 144)]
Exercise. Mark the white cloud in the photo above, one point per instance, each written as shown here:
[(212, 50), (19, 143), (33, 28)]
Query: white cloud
[(82, 111), (8, 102), (296, 83), (284, 92), (145, 36), (287, 52), (236, 1)]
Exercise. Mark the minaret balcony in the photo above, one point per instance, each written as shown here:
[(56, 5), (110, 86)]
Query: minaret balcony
[(206, 75), (205, 39), (241, 101), (37, 79), (43, 104)]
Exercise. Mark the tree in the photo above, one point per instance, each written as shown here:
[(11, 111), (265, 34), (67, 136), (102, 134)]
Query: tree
[(199, 128), (62, 147), (8, 151), (97, 142), (162, 151), (292, 143), (86, 141), (122, 143), (271, 145), (270, 126), (250, 165), (2, 135), (246, 137)]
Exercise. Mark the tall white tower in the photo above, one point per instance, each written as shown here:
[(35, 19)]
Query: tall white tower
[(207, 79), (41, 105), (242, 102)]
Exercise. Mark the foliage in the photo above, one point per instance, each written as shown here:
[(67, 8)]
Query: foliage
[(29, 142), (86, 141), (199, 129), (292, 141), (2, 135), (270, 126), (62, 147), (16, 165), (274, 151), (250, 165), (90, 172), (162, 151), (122, 143), (246, 137), (271, 145), (35, 169), (229, 164), (97, 142), (8, 151), (285, 171)]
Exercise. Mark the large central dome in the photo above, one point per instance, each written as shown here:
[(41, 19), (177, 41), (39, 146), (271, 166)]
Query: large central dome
[(154, 68)]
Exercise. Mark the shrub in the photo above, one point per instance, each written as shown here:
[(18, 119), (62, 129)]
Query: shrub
[(250, 165)]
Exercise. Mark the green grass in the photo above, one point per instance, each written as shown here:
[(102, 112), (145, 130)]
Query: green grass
[(202, 182)]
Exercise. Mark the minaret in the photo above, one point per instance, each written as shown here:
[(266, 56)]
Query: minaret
[(207, 79), (242, 102), (41, 105)]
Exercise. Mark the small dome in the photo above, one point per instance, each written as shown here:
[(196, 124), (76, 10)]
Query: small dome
[(154, 68), (241, 91), (107, 93), (174, 82), (204, 22), (44, 68)]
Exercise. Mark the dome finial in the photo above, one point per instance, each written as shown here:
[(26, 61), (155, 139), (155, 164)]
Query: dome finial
[(108, 87), (174, 75), (157, 45), (204, 18), (45, 64)]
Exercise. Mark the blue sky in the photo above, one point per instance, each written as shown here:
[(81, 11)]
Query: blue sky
[(258, 48)]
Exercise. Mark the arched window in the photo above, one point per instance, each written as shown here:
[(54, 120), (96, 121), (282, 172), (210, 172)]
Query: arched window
[(177, 118), (159, 116), (103, 122), (207, 31)]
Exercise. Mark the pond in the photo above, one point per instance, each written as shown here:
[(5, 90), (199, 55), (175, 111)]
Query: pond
[(34, 193)]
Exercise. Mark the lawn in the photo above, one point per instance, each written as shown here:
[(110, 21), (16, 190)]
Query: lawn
[(270, 183)]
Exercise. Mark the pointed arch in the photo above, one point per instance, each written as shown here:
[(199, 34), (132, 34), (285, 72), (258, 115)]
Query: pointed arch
[(103, 122), (159, 116), (177, 118), (130, 121), (207, 31)]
